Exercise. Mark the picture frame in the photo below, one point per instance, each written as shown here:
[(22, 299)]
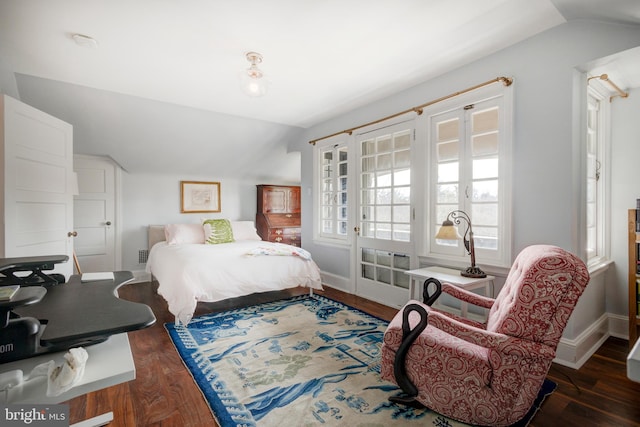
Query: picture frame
[(199, 196)]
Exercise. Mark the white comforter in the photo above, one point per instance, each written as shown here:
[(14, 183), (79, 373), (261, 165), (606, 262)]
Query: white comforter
[(188, 273)]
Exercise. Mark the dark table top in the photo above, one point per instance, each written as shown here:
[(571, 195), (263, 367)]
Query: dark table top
[(75, 311)]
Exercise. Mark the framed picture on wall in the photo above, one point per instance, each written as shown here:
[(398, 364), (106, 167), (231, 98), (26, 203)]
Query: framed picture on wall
[(199, 196)]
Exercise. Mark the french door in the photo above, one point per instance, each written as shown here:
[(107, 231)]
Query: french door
[(384, 214)]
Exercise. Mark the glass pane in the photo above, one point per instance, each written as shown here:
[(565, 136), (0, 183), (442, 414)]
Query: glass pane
[(484, 214), (402, 214), (383, 196), (367, 213), (368, 197), (342, 155), (402, 177), (447, 193), (402, 195), (485, 191), (326, 227), (384, 258), (384, 161), (402, 159), (384, 144), (442, 211), (383, 275), (367, 229), (327, 156), (343, 169), (368, 147), (327, 212), (368, 164), (383, 231), (368, 271), (448, 130), (326, 171), (400, 279), (448, 151), (485, 168), (485, 121), (384, 179), (368, 255), (484, 145), (343, 184), (383, 213), (402, 232), (342, 213), (342, 228), (342, 199), (402, 141), (367, 180), (485, 237), (401, 261), (327, 185), (327, 198), (448, 172)]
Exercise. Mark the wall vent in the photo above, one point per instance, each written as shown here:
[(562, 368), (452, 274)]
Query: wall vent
[(143, 256)]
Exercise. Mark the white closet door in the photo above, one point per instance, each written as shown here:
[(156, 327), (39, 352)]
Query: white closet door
[(95, 215), (38, 177)]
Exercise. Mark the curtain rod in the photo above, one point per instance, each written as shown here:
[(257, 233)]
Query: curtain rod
[(605, 77), (418, 109)]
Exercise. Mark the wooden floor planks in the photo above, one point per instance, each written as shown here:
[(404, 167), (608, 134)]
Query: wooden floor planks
[(164, 393)]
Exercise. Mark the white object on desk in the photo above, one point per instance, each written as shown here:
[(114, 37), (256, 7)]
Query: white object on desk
[(92, 277), (453, 277), (109, 363), (633, 363)]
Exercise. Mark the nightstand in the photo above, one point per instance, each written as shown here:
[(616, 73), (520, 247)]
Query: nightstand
[(450, 276)]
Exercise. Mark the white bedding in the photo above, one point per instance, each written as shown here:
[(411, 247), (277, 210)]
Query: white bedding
[(188, 273)]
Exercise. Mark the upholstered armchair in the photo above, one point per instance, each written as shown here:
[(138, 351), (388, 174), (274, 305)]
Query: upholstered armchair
[(487, 373)]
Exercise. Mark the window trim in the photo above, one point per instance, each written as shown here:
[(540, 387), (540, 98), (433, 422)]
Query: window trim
[(338, 141), (599, 92), (504, 255)]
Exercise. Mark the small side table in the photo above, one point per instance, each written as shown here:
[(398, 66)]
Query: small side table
[(452, 276)]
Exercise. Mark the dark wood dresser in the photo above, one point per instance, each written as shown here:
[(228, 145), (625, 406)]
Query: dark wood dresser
[(278, 214)]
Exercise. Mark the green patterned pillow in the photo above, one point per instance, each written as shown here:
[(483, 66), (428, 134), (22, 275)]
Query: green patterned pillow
[(217, 231)]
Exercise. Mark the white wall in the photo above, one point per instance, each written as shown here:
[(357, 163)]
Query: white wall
[(547, 195), (625, 189), (155, 199)]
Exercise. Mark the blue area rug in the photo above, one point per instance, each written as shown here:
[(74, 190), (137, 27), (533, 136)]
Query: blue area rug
[(306, 360)]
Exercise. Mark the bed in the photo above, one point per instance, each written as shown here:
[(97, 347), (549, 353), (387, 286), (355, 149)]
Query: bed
[(189, 271)]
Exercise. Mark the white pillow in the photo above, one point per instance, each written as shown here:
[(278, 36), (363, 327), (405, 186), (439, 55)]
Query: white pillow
[(244, 230), (183, 233)]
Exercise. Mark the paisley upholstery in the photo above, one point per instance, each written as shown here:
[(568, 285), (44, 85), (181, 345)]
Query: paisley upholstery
[(490, 374)]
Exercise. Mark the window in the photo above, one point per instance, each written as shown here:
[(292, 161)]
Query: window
[(385, 185), (595, 205), (333, 184), (469, 152)]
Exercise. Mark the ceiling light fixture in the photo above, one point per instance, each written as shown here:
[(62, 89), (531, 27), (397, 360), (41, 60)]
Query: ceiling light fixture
[(253, 82), (84, 41)]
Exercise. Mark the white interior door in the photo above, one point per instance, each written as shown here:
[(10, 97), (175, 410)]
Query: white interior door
[(95, 214), (38, 177), (384, 243)]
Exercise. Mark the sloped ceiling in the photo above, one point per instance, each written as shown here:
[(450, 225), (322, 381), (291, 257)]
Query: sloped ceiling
[(160, 91)]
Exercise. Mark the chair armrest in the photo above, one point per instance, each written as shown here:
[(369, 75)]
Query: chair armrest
[(499, 342), (466, 296)]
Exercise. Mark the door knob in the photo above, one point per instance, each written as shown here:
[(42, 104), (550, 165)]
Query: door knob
[(72, 234), (108, 223)]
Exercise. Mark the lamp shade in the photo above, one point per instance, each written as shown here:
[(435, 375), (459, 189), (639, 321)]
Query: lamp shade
[(448, 231)]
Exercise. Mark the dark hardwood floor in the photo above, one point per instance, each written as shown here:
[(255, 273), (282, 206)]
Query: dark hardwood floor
[(164, 394)]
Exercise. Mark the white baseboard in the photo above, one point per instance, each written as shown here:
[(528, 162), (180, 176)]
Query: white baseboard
[(337, 282), (573, 353)]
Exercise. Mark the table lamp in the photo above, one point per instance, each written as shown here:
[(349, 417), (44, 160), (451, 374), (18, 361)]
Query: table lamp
[(449, 231)]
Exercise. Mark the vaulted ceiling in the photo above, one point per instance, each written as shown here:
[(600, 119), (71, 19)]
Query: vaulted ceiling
[(161, 88)]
